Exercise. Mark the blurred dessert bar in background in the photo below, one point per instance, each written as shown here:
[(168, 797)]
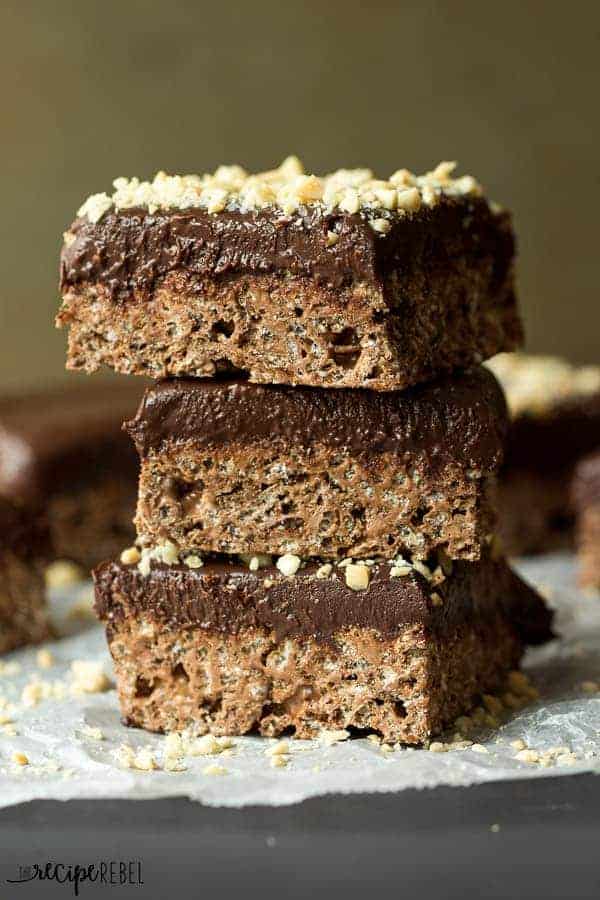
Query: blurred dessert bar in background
[(24, 554), (64, 453), (555, 411), (340, 281)]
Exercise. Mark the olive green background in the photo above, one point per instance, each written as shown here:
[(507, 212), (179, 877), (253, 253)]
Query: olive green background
[(94, 90)]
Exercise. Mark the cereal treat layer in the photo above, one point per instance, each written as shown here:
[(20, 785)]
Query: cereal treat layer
[(64, 452), (226, 650), (586, 497), (340, 281), (555, 411), (232, 467), (23, 555)]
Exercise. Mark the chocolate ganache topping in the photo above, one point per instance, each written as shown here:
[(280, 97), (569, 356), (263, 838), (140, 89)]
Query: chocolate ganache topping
[(228, 598), (459, 417), (132, 250)]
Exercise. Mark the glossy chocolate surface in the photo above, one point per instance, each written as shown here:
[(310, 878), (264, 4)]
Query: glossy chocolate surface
[(131, 250), (462, 417), (228, 598)]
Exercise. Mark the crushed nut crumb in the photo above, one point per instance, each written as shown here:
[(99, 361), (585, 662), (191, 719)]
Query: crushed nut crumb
[(333, 737), (288, 188), (130, 556), (422, 569), (128, 758), (20, 759), (144, 760), (256, 561), (207, 745), (281, 748), (32, 694), (91, 732), (288, 564), (88, 677), (528, 755), (357, 576), (214, 770), (382, 226), (44, 658)]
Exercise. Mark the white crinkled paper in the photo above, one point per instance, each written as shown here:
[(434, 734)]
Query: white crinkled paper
[(65, 762)]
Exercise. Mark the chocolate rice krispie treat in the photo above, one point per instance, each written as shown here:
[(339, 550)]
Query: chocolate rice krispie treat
[(64, 452), (24, 553), (388, 647), (555, 412), (237, 468), (339, 281)]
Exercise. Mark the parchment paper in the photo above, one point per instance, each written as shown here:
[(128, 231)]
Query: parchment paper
[(65, 762)]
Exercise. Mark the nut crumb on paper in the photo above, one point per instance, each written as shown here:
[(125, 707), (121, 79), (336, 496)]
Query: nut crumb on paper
[(89, 677), (21, 759), (208, 745), (142, 759), (329, 738), (281, 748), (94, 734), (214, 769), (44, 658)]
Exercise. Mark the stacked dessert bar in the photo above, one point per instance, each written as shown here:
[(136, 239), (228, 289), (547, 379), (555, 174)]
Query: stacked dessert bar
[(307, 558)]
